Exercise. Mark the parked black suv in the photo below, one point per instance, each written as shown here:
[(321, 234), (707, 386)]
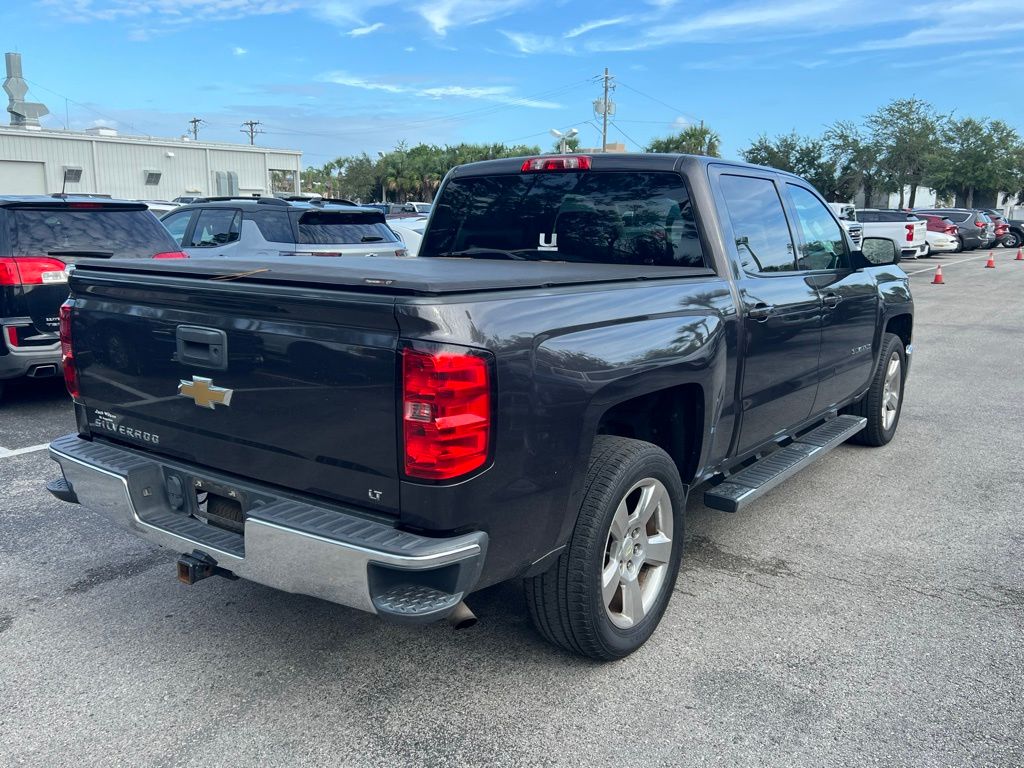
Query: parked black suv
[(39, 237), (261, 227)]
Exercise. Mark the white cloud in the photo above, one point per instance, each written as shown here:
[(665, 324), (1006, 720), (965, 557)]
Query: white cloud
[(501, 94), (946, 32), (367, 30), (920, 23), (529, 43), (442, 15), (590, 26), (239, 50)]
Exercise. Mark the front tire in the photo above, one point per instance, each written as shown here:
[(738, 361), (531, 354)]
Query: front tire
[(883, 403), (607, 592), (1011, 240)]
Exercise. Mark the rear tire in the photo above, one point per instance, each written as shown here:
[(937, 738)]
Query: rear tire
[(1011, 240), (607, 592), (883, 403)]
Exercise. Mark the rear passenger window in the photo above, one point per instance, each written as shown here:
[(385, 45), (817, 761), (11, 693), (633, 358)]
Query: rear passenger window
[(758, 224), (823, 246), (216, 226), (176, 224), (275, 226)]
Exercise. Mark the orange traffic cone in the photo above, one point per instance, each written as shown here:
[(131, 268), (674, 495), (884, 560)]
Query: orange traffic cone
[(1020, 254), (938, 276), (991, 263)]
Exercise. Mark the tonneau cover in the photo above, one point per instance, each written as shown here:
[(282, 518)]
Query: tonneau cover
[(427, 276)]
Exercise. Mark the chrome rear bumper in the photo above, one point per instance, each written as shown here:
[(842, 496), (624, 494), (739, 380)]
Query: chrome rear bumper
[(326, 552)]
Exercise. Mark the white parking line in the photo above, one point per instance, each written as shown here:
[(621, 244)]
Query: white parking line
[(949, 263), (6, 453)]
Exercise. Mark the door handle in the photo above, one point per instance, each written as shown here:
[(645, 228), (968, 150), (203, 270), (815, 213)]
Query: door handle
[(760, 311), (832, 300)]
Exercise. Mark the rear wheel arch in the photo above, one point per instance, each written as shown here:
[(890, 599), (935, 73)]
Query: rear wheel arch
[(672, 419)]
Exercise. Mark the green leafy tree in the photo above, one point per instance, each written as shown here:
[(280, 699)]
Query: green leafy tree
[(857, 159), (906, 131), (404, 173), (802, 155), (692, 140), (978, 156), (572, 144)]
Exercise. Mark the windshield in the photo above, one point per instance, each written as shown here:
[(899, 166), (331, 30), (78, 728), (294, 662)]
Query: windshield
[(602, 218), (123, 234), (329, 228)]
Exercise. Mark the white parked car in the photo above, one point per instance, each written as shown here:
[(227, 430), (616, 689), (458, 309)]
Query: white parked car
[(160, 207), (420, 208), (847, 215), (410, 231), (939, 242), (905, 228)]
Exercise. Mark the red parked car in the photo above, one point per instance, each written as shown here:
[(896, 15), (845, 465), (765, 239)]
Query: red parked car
[(1002, 225), (938, 223)]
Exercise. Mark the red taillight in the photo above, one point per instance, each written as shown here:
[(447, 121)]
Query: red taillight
[(32, 270), (67, 351), (86, 206), (950, 230), (446, 413), (910, 233), (979, 224), (12, 336), (171, 255), (557, 163)]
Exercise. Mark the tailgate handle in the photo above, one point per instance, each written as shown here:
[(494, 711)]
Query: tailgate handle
[(202, 347)]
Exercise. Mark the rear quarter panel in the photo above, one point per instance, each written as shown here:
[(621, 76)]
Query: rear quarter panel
[(563, 359)]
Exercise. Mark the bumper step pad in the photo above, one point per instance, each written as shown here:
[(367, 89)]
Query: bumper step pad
[(751, 483)]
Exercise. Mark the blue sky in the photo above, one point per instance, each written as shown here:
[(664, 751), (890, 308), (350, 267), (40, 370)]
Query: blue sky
[(335, 77)]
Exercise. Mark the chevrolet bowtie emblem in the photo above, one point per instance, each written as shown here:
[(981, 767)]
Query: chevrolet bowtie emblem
[(204, 393)]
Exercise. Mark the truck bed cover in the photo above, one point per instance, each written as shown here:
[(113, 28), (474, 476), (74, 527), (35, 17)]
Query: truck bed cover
[(394, 275)]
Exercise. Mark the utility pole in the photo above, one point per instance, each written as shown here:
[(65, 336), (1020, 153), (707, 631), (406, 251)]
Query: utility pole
[(250, 128), (604, 112), (195, 122), (604, 107)]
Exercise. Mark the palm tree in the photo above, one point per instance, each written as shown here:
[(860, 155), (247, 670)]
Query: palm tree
[(695, 139)]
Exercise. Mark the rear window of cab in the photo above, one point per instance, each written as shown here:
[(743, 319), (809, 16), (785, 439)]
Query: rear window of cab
[(613, 217)]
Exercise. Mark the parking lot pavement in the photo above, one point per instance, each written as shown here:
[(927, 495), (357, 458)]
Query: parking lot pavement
[(870, 612)]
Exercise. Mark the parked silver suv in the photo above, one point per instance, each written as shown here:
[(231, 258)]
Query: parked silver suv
[(259, 227)]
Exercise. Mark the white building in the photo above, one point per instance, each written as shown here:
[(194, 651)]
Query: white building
[(38, 161)]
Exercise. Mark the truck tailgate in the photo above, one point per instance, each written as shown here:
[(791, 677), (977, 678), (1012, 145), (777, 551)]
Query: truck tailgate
[(292, 388)]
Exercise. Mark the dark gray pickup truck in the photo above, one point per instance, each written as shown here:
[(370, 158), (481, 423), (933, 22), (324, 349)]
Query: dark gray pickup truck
[(582, 341)]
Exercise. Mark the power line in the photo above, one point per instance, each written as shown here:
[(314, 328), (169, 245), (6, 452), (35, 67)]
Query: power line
[(195, 122), (83, 106), (630, 138), (652, 98)]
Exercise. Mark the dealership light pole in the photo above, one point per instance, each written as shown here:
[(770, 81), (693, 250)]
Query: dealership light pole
[(564, 137)]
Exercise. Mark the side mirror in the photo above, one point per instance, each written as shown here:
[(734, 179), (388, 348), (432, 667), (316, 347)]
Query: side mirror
[(880, 251)]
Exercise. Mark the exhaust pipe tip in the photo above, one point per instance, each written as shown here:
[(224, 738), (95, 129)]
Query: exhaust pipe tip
[(462, 617), (43, 371)]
